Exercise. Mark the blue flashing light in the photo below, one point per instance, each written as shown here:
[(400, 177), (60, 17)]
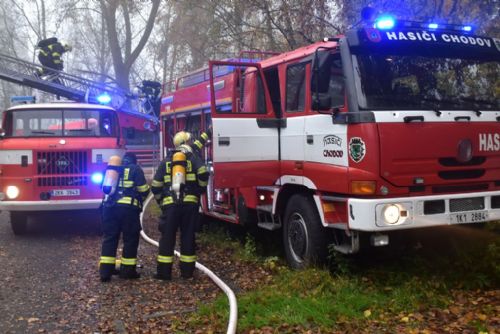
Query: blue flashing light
[(97, 178), (467, 28), (104, 98), (385, 22), (433, 26), (23, 99)]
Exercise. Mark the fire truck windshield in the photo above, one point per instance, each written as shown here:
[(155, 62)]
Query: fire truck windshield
[(386, 81), (61, 123)]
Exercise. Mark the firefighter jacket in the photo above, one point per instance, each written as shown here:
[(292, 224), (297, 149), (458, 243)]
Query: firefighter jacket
[(196, 182), (132, 188), (54, 52)]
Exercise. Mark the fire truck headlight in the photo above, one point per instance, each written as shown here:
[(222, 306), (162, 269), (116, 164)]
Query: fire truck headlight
[(391, 214), (12, 192), (97, 178)]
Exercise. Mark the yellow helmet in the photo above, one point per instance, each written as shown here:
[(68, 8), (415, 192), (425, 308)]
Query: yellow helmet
[(181, 137)]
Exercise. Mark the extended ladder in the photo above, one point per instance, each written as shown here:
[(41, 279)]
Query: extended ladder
[(66, 85)]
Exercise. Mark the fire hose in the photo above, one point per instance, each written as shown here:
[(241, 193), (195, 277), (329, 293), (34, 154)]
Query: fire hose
[(233, 307)]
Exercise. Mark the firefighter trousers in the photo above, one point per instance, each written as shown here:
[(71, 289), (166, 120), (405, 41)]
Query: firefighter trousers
[(118, 220), (184, 217)]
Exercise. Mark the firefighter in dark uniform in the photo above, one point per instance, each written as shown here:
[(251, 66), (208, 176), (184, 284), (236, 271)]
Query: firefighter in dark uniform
[(49, 55), (179, 205), (121, 214)]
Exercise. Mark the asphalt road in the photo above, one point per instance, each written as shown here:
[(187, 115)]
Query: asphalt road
[(49, 282), (39, 270)]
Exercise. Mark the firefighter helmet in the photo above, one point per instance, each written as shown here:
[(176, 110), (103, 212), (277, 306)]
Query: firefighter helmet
[(181, 137), (129, 159)]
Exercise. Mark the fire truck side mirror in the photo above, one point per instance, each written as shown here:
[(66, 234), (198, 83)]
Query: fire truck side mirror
[(2, 133)]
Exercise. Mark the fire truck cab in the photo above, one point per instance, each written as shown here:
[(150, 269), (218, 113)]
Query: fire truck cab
[(391, 126), (53, 155)]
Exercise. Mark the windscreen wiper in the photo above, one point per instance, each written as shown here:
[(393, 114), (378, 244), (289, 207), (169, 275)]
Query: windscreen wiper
[(43, 132)]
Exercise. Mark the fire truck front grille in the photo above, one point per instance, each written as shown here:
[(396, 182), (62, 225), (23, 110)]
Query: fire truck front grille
[(65, 162), (453, 162), (462, 174), (466, 204), (57, 181), (495, 202)]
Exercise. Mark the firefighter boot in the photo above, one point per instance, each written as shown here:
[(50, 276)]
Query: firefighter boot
[(128, 271), (105, 271), (187, 269), (164, 271)]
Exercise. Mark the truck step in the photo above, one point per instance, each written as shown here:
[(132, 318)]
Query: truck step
[(269, 226), (266, 208)]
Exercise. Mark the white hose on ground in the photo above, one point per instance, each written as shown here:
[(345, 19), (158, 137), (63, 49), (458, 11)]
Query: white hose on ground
[(233, 306)]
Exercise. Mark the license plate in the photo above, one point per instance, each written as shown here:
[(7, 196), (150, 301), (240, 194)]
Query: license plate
[(469, 217), (66, 192)]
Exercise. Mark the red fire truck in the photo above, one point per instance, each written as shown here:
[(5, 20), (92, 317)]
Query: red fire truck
[(392, 126), (53, 155)]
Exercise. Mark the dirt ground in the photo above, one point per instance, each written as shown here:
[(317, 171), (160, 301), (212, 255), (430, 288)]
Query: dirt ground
[(49, 284)]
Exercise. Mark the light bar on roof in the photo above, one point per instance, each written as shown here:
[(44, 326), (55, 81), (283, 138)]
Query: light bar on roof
[(385, 22), (104, 98)]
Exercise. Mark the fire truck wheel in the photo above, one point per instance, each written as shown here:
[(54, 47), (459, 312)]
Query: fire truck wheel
[(19, 222), (304, 239)]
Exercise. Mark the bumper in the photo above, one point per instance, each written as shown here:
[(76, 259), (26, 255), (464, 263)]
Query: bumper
[(50, 205), (424, 211)]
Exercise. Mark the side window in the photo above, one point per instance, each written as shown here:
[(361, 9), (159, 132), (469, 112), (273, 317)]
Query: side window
[(327, 83), (273, 84), (295, 88), (252, 94)]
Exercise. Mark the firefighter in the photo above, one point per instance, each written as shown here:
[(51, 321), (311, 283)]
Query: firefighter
[(152, 93), (178, 183), (50, 53), (184, 138), (121, 214)]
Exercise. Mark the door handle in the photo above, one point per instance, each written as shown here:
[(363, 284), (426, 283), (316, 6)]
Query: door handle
[(224, 141)]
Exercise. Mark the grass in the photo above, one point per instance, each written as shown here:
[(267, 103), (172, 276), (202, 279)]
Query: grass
[(398, 280)]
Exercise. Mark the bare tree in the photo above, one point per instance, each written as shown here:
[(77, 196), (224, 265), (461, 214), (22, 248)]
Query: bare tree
[(120, 41)]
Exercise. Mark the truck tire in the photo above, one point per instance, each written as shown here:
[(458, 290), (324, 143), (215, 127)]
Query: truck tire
[(304, 238), (19, 222)]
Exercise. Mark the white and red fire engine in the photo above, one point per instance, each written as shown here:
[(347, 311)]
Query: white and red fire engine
[(53, 155), (388, 127)]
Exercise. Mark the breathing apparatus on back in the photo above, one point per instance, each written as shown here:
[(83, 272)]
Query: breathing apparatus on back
[(112, 176), (179, 163), (179, 174)]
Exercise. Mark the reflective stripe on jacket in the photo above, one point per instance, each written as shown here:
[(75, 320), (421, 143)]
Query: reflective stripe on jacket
[(132, 188)]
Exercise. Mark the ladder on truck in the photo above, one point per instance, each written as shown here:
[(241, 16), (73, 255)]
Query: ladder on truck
[(68, 86)]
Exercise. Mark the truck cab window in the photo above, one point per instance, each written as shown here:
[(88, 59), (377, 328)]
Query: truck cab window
[(327, 83), (252, 96), (295, 88), (273, 85)]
